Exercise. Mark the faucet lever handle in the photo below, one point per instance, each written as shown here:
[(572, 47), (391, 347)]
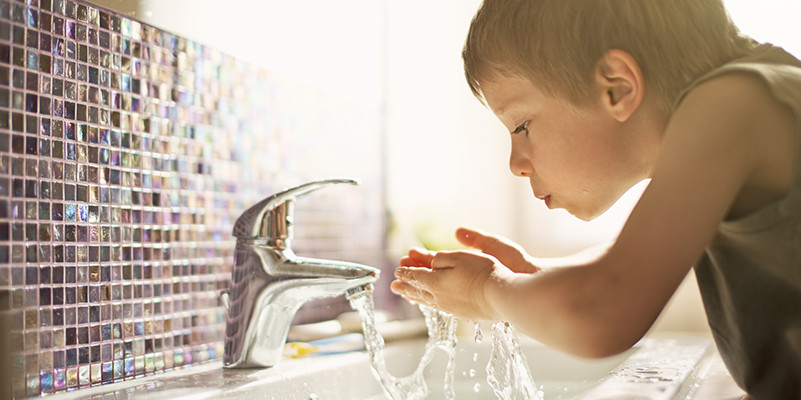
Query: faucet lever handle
[(271, 217)]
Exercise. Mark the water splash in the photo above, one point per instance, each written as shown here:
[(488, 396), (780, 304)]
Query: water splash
[(441, 334), (507, 371)]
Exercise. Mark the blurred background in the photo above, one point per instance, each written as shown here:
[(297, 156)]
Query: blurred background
[(446, 155)]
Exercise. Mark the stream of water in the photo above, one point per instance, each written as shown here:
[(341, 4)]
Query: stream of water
[(507, 371)]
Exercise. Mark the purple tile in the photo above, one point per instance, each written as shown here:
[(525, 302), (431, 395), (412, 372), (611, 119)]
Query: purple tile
[(59, 379)]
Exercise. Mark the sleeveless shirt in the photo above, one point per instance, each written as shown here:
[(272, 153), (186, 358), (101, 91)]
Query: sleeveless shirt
[(750, 273)]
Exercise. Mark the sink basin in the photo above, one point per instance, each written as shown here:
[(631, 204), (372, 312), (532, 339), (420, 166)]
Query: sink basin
[(653, 369)]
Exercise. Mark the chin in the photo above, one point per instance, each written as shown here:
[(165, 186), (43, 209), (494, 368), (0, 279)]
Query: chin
[(583, 216), (587, 214), (594, 207)]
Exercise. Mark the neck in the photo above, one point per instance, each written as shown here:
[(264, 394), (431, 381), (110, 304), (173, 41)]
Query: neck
[(649, 124)]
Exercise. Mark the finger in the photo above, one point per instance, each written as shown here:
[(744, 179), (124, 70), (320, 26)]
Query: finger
[(402, 288), (506, 251), (407, 261), (422, 256), (452, 259), (417, 258), (414, 276), (411, 293)]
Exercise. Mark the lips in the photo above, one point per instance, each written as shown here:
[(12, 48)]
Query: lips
[(546, 198)]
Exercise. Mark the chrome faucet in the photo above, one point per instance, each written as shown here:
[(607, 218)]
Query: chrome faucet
[(270, 283)]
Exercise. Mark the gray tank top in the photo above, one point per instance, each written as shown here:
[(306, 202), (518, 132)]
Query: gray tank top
[(750, 274)]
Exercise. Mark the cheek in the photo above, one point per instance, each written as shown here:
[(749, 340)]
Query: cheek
[(567, 165), (588, 154), (576, 149)]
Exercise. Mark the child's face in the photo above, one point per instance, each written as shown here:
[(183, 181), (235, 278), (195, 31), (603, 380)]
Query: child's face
[(576, 158)]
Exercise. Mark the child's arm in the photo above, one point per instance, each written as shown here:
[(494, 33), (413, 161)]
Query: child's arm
[(728, 150)]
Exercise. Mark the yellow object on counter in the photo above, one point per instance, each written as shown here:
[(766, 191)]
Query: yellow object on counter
[(299, 349), (332, 345)]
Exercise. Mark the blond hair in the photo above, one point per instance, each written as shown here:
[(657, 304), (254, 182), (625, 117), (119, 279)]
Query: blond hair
[(557, 43)]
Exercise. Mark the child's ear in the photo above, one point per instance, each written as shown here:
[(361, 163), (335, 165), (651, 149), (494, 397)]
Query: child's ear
[(622, 83)]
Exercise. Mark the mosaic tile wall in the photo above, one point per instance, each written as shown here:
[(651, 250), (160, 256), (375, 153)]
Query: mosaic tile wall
[(126, 153)]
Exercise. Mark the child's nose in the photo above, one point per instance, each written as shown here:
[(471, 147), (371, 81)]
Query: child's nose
[(520, 164)]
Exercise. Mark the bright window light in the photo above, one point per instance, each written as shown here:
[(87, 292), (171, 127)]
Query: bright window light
[(774, 21)]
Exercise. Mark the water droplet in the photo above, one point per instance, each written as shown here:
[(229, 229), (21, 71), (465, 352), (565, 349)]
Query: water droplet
[(477, 387), (478, 335), (475, 357), (472, 373)]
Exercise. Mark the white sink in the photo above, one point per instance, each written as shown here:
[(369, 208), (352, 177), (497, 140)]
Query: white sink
[(653, 369)]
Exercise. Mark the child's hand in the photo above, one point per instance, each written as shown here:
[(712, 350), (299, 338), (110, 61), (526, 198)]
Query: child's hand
[(452, 281), (507, 252), (455, 281)]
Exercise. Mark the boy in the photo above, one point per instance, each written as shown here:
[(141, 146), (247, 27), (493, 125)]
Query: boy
[(598, 95)]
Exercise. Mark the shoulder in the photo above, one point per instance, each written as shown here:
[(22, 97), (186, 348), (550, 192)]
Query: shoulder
[(737, 112), (745, 96), (721, 115)]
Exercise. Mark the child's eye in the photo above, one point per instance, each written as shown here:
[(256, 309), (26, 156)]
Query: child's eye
[(521, 128)]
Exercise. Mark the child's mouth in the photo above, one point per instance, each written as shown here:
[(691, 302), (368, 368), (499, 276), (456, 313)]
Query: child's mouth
[(546, 199)]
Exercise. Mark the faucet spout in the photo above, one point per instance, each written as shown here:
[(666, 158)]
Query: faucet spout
[(265, 296), (270, 283), (332, 277)]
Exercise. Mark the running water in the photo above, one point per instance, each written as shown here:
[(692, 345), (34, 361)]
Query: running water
[(507, 371), (441, 334), (478, 335)]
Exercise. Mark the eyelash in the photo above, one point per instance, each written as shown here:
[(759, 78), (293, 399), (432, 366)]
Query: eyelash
[(522, 127)]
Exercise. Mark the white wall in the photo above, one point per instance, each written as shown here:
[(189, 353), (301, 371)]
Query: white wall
[(447, 154)]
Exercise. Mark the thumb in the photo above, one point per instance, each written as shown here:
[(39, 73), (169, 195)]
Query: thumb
[(506, 251)]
